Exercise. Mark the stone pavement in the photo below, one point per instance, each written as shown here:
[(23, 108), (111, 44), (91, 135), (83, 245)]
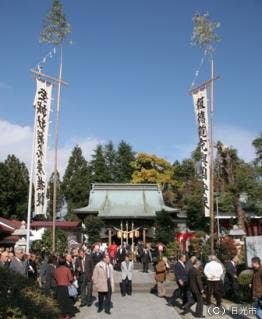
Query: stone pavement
[(137, 306)]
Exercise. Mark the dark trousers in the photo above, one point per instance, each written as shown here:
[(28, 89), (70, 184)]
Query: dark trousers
[(145, 266), (104, 298), (233, 291), (196, 298), (214, 288), (181, 292), (86, 292), (126, 287), (64, 301)]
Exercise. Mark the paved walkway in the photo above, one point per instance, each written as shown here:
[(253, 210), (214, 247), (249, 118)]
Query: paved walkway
[(137, 306)]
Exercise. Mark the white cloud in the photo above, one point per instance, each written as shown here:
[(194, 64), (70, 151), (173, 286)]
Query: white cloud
[(237, 137), (16, 139)]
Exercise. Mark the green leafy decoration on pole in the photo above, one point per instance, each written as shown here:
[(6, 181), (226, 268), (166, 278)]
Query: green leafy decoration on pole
[(55, 25), (204, 32)]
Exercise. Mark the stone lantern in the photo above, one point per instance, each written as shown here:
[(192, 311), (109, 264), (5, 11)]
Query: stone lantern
[(21, 234)]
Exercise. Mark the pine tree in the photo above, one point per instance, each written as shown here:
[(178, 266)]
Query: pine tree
[(76, 182), (125, 156), (59, 195), (14, 183), (98, 166), (110, 159)]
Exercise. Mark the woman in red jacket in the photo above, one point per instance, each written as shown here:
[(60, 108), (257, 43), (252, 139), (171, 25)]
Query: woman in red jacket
[(64, 278)]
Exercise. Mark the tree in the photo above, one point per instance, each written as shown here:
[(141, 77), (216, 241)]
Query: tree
[(257, 143), (55, 25), (76, 182), (99, 169), (204, 32), (110, 160), (46, 243), (152, 169), (124, 157), (14, 183), (59, 192), (234, 177), (93, 227), (165, 228)]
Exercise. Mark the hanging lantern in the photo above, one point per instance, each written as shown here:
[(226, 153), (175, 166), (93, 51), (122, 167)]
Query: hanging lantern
[(131, 235), (119, 233), (137, 234), (124, 234)]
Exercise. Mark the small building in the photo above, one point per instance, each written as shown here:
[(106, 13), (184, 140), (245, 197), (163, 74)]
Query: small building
[(9, 230), (126, 208)]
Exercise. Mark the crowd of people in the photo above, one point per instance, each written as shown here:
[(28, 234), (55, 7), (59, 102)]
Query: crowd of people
[(73, 275)]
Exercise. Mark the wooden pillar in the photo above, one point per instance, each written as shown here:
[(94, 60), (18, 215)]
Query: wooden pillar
[(133, 235), (144, 236), (109, 237), (121, 228)]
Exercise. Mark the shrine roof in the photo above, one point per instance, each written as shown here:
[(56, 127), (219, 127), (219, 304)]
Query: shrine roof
[(125, 201)]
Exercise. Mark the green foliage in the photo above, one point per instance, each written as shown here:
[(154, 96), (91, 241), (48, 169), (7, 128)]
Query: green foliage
[(98, 167), (244, 280), (200, 246), (110, 161), (55, 25), (257, 143), (152, 169), (76, 182), (59, 194), (124, 157), (165, 228), (173, 249), (14, 183), (46, 243), (21, 298), (204, 32), (93, 227)]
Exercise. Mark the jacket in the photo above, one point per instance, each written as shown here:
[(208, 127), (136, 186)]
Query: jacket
[(194, 280), (231, 275), (180, 272), (100, 277), (257, 283), (127, 271), (160, 275), (63, 276), (213, 271), (19, 266), (86, 273)]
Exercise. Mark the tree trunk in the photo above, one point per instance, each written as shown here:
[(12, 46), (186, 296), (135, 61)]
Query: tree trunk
[(241, 216)]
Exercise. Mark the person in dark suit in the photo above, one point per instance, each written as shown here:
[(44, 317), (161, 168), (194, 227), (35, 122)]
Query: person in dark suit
[(196, 287), (181, 280), (85, 267), (146, 258), (97, 255), (231, 281)]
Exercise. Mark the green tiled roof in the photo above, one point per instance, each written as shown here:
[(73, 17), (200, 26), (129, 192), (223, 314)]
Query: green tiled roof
[(125, 200)]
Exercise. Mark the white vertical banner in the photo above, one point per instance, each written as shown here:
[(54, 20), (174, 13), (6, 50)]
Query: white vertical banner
[(201, 110), (42, 103)]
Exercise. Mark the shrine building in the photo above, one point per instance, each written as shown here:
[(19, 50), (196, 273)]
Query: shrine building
[(128, 210)]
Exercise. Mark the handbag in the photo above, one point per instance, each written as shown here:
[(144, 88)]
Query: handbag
[(72, 290)]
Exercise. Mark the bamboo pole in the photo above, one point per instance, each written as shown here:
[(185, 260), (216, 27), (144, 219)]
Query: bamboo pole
[(56, 148)]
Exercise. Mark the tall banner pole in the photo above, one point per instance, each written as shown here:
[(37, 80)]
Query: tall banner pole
[(29, 207), (212, 219), (56, 148)]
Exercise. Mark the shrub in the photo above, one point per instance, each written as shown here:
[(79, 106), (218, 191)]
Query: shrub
[(226, 249), (21, 298), (173, 249), (244, 280)]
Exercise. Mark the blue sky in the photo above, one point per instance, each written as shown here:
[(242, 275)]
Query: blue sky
[(130, 67)]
